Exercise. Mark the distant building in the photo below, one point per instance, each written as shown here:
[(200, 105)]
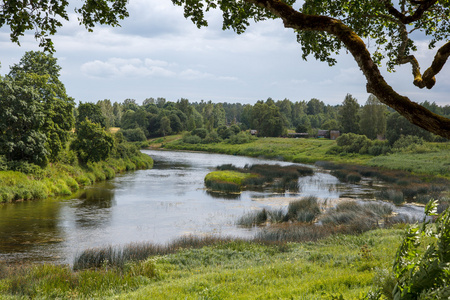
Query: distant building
[(298, 135), (334, 134), (323, 133)]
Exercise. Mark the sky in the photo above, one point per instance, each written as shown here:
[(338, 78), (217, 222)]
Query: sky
[(158, 53)]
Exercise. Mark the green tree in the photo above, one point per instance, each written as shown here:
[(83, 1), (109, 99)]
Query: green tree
[(117, 111), (208, 115), (219, 115), (298, 111), (398, 126), (41, 71), (92, 142), (373, 118), (348, 115), (21, 123), (165, 128), (91, 112), (285, 107), (107, 110), (331, 124), (267, 119), (314, 107), (323, 28)]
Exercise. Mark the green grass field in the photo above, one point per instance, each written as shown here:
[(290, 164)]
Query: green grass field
[(434, 159), (339, 265)]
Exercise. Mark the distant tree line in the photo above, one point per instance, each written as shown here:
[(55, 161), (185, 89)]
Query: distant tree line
[(220, 121)]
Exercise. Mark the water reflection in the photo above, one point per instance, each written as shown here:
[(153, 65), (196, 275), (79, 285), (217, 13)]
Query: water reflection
[(156, 205), (93, 206), (27, 227), (227, 196)]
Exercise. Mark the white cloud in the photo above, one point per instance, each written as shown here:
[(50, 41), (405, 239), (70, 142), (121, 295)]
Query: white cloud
[(157, 52)]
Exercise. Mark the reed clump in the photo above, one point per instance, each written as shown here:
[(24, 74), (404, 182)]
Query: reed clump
[(347, 217), (304, 210), (119, 256)]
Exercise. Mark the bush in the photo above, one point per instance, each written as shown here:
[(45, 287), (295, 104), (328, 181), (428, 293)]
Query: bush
[(353, 177), (134, 135), (92, 142), (407, 142), (224, 132), (354, 143), (241, 138), (192, 139), (379, 148), (421, 271), (211, 138), (201, 132), (395, 196), (251, 219)]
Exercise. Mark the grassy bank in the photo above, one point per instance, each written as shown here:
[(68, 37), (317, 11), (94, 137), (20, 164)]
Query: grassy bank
[(432, 159), (338, 265), (59, 179)]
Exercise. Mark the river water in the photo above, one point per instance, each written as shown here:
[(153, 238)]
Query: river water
[(156, 205)]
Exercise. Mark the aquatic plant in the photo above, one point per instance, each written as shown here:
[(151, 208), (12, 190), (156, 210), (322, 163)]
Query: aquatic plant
[(303, 210)]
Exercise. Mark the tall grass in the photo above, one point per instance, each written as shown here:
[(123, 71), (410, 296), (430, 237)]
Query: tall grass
[(348, 217), (303, 210), (118, 256), (61, 180)]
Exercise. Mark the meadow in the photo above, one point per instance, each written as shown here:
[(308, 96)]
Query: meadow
[(337, 267), (429, 159)]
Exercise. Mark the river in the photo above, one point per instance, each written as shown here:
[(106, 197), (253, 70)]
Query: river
[(156, 205)]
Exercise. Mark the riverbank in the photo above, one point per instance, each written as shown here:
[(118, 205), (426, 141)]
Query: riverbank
[(63, 179), (344, 265), (431, 159)]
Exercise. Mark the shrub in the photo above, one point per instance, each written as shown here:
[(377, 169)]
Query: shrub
[(395, 196), (224, 132), (421, 271), (354, 143), (201, 132), (212, 138), (134, 135), (407, 142), (379, 148), (192, 139), (241, 138)]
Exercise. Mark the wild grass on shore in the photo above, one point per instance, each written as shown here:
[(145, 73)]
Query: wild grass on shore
[(61, 179), (333, 267)]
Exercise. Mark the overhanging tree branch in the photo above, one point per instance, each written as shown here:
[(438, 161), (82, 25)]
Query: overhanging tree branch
[(376, 84), (423, 6)]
